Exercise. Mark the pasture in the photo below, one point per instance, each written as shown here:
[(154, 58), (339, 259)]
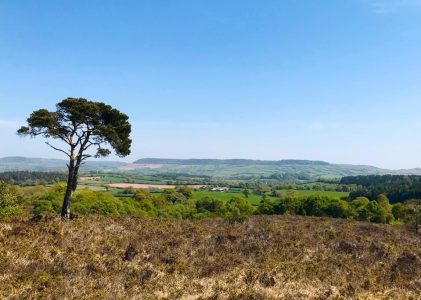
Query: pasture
[(255, 199), (225, 196), (116, 184), (330, 194)]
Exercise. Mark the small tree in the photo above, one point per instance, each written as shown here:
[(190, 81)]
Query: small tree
[(413, 212), (173, 197), (185, 191), (385, 209), (8, 197), (9, 202), (246, 193), (80, 125), (239, 209)]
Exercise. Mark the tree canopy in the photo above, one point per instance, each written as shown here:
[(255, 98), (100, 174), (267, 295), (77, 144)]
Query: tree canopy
[(82, 125)]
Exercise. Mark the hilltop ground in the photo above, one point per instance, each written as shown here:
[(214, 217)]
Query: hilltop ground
[(280, 257)]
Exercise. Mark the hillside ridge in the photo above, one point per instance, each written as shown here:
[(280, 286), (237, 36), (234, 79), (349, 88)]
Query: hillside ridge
[(221, 168)]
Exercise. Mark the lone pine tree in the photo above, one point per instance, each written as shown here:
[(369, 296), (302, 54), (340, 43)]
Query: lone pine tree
[(80, 125)]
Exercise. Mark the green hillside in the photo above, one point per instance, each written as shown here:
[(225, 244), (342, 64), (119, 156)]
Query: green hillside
[(244, 169), (280, 170)]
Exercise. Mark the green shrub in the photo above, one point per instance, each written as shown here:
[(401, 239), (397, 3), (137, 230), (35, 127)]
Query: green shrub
[(289, 204), (398, 211), (338, 209), (173, 196), (185, 191), (267, 207), (8, 196), (105, 207), (11, 212), (211, 207), (43, 207), (178, 211), (239, 210), (10, 204), (314, 206)]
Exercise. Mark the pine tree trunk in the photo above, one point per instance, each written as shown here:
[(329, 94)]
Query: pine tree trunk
[(76, 170), (75, 178), (65, 211)]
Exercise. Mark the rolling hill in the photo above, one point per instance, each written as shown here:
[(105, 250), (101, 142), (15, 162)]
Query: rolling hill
[(244, 168), (217, 168)]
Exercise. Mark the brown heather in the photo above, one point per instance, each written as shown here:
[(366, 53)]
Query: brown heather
[(278, 257)]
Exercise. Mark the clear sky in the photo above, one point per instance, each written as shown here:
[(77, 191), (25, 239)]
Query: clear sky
[(329, 80)]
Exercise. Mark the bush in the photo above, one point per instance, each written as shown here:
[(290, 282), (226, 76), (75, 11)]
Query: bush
[(178, 211), (211, 207), (10, 206), (185, 191), (8, 196), (11, 212), (398, 211), (413, 213), (239, 210), (314, 206), (173, 197), (267, 207), (338, 209), (43, 207), (106, 207), (365, 210), (289, 204), (50, 202)]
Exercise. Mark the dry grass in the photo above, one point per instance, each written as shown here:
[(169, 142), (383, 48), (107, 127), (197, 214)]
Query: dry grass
[(265, 258)]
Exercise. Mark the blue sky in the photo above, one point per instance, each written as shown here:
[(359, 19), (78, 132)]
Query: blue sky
[(329, 80)]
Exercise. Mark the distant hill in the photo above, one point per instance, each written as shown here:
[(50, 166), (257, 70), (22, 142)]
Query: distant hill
[(235, 162), (19, 163), (217, 168), (245, 168)]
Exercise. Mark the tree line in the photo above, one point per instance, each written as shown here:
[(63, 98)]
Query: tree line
[(41, 201), (398, 188), (30, 178)]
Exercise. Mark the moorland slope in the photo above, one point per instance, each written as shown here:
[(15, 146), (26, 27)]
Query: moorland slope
[(279, 257)]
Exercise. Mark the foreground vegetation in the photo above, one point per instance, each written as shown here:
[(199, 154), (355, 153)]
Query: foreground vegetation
[(267, 257), (185, 244), (184, 203)]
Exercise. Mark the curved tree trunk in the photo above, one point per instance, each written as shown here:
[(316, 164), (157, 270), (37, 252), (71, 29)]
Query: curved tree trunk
[(79, 161), (65, 210), (75, 177)]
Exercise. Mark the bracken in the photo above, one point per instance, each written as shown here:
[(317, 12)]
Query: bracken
[(267, 257)]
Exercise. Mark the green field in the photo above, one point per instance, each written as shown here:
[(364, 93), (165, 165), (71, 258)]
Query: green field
[(93, 187), (225, 196), (330, 194), (254, 199)]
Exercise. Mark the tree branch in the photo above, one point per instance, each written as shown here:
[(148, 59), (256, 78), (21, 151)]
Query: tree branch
[(85, 157), (57, 149)]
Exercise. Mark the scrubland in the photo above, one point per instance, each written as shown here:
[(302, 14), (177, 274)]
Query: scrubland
[(266, 257)]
